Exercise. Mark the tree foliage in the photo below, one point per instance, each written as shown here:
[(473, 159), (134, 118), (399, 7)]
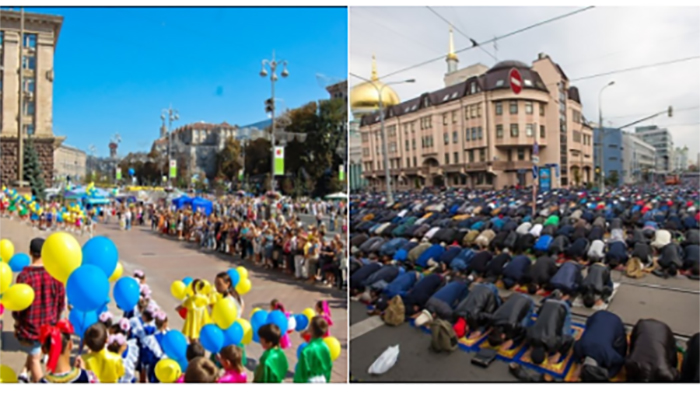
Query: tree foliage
[(33, 171), (229, 161)]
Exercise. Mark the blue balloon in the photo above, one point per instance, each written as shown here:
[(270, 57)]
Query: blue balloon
[(212, 338), (19, 261), (302, 322), (187, 280), (87, 288), (183, 364), (235, 277), (81, 321), (233, 335), (127, 293), (301, 349), (279, 319), (258, 320), (175, 345), (256, 338), (131, 171), (101, 252)]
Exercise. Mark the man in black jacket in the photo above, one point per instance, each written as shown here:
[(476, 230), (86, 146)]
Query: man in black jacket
[(551, 335), (481, 302), (597, 286), (510, 321), (653, 356)]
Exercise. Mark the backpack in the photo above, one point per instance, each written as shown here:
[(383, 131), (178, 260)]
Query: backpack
[(443, 336), (543, 243), (634, 268), (395, 312)]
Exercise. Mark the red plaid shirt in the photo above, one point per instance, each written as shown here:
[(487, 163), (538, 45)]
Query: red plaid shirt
[(49, 303)]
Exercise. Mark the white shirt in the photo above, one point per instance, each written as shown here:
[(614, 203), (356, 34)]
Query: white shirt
[(524, 228), (536, 230), (597, 249)]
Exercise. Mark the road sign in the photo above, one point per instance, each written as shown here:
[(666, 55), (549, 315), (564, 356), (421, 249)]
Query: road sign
[(534, 172), (516, 81), (535, 159)]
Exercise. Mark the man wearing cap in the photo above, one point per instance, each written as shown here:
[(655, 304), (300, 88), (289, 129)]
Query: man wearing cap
[(49, 303)]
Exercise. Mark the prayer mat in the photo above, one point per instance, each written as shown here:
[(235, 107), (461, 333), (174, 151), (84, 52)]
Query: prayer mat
[(559, 370), (473, 344), (578, 302)]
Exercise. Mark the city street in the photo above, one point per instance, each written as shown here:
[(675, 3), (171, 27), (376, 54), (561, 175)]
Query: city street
[(165, 260), (674, 301)]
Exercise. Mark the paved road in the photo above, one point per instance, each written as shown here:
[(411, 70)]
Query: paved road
[(165, 260), (677, 304)]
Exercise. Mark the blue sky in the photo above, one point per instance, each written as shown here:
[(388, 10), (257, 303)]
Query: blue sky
[(118, 68)]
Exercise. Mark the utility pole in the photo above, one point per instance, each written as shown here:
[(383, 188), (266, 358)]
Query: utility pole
[(273, 78), (20, 136)]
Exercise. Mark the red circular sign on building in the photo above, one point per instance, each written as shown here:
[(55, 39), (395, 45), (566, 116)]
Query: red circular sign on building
[(516, 81)]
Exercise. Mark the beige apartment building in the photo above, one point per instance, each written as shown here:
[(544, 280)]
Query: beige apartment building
[(69, 162), (477, 133), (33, 56)]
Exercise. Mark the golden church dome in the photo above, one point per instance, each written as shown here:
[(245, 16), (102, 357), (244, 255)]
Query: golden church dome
[(366, 95)]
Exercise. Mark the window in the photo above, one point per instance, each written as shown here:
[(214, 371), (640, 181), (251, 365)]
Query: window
[(456, 156), (30, 85), (408, 162), (542, 135), (480, 133), (444, 119), (408, 145), (472, 111), (413, 126), (513, 107), (528, 107), (446, 137), (29, 129), (478, 110), (447, 158), (473, 88), (499, 131), (473, 133), (471, 156), (413, 143), (521, 154), (467, 135), (30, 40), (29, 62), (365, 137), (29, 108), (530, 130), (577, 136), (2, 36), (514, 130), (499, 108), (482, 154), (365, 152), (454, 116), (500, 83), (455, 137), (541, 109), (612, 146), (415, 163)]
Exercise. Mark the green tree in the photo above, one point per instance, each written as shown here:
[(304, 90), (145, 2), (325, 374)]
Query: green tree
[(258, 157), (612, 179), (228, 160), (33, 171)]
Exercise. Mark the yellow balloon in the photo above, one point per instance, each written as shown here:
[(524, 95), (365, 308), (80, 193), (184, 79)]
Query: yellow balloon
[(254, 310), (334, 346), (178, 290), (117, 272), (244, 286), (18, 297), (168, 370), (224, 313), (247, 331), (61, 255), (309, 313), (7, 375), (5, 277), (242, 273), (206, 287), (7, 250)]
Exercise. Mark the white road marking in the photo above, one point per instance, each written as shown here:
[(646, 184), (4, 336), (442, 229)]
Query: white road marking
[(359, 329)]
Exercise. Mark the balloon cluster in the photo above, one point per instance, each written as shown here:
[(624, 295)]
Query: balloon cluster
[(19, 296)]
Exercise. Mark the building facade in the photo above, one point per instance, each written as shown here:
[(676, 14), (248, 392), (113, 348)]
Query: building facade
[(478, 133), (638, 159), (612, 153), (69, 162), (27, 45), (662, 141), (680, 159), (339, 90)]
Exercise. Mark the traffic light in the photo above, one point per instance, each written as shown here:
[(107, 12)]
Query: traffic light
[(597, 170), (269, 105), (670, 111)]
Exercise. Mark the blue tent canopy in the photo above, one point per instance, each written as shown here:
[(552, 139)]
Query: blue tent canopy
[(181, 201), (201, 204)]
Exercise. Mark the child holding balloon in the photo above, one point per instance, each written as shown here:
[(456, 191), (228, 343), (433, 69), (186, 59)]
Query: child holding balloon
[(315, 363), (285, 342), (107, 366), (273, 363), (197, 313)]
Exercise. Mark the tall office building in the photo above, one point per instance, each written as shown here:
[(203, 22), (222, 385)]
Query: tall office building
[(32, 55), (638, 160), (662, 141)]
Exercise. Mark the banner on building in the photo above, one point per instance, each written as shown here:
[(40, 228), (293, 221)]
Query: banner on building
[(341, 173), (279, 160), (119, 174), (173, 169), (240, 175), (545, 179)]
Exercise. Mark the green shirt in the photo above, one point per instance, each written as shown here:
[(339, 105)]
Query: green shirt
[(315, 362), (272, 367)]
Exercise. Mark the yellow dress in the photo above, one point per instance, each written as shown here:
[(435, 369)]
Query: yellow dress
[(107, 366), (197, 315)]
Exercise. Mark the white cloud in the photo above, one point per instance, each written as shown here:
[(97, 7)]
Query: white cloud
[(596, 41)]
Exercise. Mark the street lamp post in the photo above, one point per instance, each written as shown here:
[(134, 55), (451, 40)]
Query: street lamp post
[(601, 136), (272, 64), (379, 89), (171, 114)]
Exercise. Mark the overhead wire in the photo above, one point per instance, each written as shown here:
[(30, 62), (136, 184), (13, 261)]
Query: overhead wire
[(474, 43)]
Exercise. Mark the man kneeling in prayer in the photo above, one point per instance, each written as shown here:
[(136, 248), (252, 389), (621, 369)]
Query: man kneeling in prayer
[(602, 347), (551, 335), (597, 286), (471, 314), (441, 305), (510, 321)]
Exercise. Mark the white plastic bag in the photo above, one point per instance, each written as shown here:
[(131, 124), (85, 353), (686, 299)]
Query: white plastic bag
[(384, 362)]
